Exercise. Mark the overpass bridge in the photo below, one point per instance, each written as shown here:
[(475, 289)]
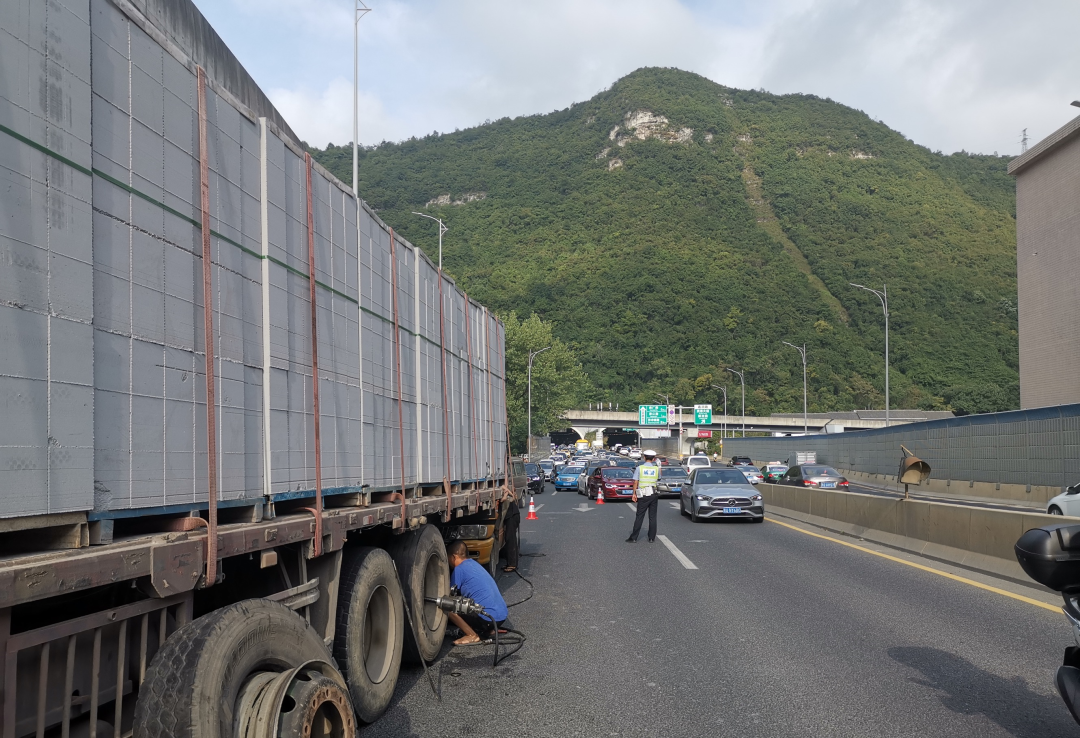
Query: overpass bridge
[(586, 421)]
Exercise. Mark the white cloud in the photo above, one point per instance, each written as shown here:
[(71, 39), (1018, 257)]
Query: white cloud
[(962, 74), (950, 74), (325, 116)]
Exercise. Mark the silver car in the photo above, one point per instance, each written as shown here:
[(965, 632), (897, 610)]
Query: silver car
[(672, 478), (720, 492), (752, 473), (814, 475)]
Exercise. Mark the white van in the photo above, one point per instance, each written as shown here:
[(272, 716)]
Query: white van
[(697, 461)]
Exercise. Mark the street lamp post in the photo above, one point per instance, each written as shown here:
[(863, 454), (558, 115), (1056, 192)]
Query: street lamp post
[(742, 383), (442, 229), (359, 11), (802, 351), (532, 355), (882, 295), (723, 426), (667, 401)]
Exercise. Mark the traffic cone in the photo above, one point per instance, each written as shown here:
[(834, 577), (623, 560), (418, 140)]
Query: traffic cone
[(600, 497), (532, 510)]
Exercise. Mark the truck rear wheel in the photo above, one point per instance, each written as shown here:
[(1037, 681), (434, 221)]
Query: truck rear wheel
[(421, 563), (237, 672), (370, 625)]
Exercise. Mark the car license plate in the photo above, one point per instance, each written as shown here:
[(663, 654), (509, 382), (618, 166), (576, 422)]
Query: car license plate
[(732, 510), (827, 485)]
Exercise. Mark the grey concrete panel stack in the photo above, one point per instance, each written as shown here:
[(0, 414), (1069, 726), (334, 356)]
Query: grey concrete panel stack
[(102, 298), (46, 300)]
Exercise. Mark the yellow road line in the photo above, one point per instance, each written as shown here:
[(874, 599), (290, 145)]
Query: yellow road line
[(940, 573)]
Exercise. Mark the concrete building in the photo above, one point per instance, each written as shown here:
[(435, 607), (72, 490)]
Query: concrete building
[(1048, 268)]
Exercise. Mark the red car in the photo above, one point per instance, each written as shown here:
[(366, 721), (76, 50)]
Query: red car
[(616, 481)]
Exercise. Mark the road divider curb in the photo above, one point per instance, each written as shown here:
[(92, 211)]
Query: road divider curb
[(977, 538)]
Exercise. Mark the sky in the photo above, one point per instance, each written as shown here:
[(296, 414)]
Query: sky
[(949, 74)]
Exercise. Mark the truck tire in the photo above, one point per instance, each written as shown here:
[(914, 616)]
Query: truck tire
[(420, 557), (196, 684), (370, 625)]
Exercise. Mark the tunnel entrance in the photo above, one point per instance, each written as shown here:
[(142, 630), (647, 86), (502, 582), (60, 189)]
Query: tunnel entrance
[(564, 438), (621, 436)]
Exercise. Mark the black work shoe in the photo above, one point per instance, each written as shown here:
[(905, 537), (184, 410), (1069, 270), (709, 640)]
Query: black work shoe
[(652, 540), (631, 540)]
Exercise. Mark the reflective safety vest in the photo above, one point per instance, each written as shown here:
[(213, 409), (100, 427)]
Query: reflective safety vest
[(648, 475)]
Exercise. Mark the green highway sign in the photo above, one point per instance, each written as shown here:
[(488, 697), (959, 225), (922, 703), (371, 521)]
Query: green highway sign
[(652, 414), (702, 414)]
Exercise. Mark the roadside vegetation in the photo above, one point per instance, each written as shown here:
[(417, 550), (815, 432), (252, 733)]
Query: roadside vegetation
[(662, 254)]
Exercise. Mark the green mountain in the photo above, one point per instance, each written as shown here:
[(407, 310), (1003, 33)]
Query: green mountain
[(671, 228)]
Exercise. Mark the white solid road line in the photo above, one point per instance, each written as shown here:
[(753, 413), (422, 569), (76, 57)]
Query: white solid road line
[(633, 507), (539, 506), (674, 505), (687, 563)]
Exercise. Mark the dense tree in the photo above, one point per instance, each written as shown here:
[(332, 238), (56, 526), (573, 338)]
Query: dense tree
[(558, 381), (663, 254)]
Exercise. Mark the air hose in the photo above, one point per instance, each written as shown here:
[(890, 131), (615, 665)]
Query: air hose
[(466, 606)]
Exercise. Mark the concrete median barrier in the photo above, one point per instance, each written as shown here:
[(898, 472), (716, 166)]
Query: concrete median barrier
[(979, 538)]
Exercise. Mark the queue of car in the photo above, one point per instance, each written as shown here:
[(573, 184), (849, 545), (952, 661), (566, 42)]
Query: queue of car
[(706, 488)]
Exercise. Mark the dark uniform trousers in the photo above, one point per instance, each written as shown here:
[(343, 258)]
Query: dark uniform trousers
[(646, 504), (511, 523)]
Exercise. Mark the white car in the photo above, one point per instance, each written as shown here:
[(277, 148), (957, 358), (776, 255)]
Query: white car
[(1067, 503), (634, 453)]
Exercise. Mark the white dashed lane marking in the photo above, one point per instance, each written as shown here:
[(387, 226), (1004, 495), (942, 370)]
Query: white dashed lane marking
[(687, 563)]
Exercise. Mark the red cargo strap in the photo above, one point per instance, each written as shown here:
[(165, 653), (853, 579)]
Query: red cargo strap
[(445, 402), (317, 512), (491, 408), (208, 339), (472, 388), (397, 369)]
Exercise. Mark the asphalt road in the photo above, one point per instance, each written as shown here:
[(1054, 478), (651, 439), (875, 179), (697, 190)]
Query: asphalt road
[(775, 633)]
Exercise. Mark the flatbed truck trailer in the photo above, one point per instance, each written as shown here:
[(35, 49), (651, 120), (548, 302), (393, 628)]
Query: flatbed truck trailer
[(83, 629), (239, 415)]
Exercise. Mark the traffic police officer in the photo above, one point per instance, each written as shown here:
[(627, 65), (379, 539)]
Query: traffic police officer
[(646, 477)]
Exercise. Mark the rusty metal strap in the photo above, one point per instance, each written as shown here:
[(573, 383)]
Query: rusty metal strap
[(397, 367), (491, 408), (445, 402), (317, 543), (472, 387), (208, 338)]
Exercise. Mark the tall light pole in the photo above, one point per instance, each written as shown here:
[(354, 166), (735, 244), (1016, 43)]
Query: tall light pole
[(359, 11), (883, 295), (442, 229), (802, 351), (667, 401), (742, 383), (723, 426), (532, 355)]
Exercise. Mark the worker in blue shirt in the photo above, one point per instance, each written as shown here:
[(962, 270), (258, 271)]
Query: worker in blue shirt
[(473, 581)]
